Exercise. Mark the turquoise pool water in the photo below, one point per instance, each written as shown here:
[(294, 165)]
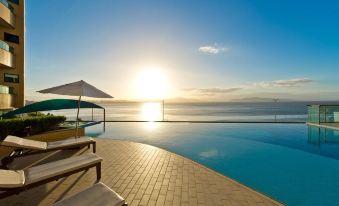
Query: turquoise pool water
[(292, 163)]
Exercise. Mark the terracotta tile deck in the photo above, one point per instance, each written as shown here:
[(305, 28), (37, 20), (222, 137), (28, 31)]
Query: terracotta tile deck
[(143, 175)]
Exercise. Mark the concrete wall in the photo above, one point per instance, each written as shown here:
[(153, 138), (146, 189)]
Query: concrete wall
[(7, 16), (6, 101), (7, 58), (18, 54)]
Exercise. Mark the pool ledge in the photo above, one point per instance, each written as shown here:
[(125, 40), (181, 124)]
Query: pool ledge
[(143, 175)]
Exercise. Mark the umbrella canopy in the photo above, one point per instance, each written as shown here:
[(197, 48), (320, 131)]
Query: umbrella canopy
[(79, 88), (51, 104)]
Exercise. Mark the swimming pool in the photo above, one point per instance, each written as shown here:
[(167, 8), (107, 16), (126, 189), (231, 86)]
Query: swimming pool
[(292, 163)]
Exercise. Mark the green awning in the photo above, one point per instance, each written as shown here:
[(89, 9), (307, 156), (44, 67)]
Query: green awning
[(52, 104)]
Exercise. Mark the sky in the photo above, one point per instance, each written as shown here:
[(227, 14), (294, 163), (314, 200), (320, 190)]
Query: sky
[(180, 49)]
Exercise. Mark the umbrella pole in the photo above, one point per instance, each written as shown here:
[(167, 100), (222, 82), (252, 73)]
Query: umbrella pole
[(104, 120), (77, 120)]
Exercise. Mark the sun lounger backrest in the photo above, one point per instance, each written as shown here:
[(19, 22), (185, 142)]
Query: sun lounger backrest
[(13, 182), (69, 142), (48, 170), (18, 142), (11, 178)]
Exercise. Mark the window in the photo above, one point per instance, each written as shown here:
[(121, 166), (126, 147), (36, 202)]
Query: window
[(11, 90), (14, 1), (11, 38), (11, 78)]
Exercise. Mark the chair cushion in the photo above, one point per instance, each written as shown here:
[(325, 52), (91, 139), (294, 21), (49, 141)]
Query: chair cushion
[(18, 142), (11, 178), (96, 195), (52, 169), (69, 142)]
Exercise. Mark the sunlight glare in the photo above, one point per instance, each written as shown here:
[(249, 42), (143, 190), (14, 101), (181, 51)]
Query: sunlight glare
[(152, 84), (151, 111)]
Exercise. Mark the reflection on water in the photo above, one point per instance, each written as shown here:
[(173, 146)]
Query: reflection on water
[(151, 125), (318, 135), (151, 111)]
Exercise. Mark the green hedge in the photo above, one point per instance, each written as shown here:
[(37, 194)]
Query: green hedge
[(29, 125)]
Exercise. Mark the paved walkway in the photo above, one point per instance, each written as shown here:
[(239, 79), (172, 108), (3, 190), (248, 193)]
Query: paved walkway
[(143, 175)]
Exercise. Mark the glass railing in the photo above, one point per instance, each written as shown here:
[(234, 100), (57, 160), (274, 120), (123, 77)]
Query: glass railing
[(5, 46), (323, 113), (4, 89), (313, 114), (6, 4), (330, 113)]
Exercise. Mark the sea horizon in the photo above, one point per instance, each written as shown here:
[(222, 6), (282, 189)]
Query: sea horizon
[(196, 111)]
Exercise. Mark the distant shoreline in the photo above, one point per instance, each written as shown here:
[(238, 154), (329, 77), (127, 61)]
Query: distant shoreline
[(178, 121), (171, 101)]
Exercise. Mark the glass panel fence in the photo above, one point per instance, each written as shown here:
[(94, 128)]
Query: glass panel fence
[(4, 89), (313, 113), (4, 45), (6, 4)]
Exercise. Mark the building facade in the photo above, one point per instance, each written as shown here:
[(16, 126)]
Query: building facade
[(12, 71)]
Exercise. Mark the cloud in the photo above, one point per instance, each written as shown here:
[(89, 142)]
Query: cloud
[(211, 49), (189, 89), (285, 83), (211, 91), (210, 153), (220, 90)]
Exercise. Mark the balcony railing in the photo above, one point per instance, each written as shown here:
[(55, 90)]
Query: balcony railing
[(7, 56), (7, 98), (6, 101), (6, 4), (4, 45), (7, 16), (4, 89)]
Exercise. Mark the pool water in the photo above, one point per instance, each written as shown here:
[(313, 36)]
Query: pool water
[(292, 163)]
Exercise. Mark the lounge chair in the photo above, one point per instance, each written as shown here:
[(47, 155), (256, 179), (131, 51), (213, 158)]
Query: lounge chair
[(24, 147), (97, 195), (16, 181)]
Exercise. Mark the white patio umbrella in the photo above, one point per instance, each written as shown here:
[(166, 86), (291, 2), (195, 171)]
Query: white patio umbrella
[(79, 88)]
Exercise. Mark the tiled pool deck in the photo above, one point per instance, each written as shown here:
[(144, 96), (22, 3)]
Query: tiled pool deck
[(143, 175)]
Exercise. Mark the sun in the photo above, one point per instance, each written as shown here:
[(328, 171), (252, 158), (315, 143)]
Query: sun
[(151, 111), (152, 83)]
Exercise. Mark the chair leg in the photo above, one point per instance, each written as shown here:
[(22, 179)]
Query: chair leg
[(98, 167), (94, 147)]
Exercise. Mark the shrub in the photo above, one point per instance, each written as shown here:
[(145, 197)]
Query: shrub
[(35, 114), (31, 124)]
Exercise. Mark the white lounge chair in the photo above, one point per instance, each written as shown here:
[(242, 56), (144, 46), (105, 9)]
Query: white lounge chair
[(24, 147), (97, 195), (16, 181)]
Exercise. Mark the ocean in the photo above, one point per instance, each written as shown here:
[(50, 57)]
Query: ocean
[(224, 111)]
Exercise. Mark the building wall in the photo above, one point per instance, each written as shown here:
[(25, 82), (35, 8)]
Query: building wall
[(15, 26), (6, 100)]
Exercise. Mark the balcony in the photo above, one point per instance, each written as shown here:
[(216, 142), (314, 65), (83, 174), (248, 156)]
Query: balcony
[(7, 58), (6, 98), (7, 17)]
